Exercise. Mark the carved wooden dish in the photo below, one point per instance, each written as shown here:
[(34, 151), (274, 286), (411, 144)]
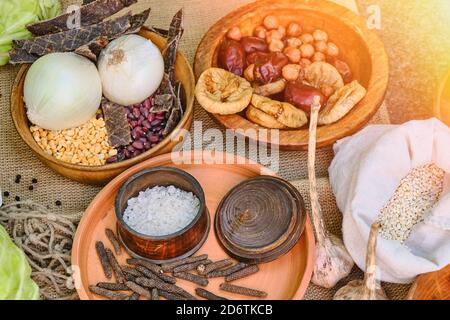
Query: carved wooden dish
[(100, 175), (360, 48), (442, 101), (432, 286)]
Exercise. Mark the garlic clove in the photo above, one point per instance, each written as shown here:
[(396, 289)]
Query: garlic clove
[(354, 290)]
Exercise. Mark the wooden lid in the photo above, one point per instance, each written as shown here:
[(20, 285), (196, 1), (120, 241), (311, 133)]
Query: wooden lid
[(260, 219)]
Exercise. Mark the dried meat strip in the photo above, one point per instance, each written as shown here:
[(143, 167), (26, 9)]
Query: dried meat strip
[(117, 126), (18, 55), (91, 13), (73, 39), (176, 31), (92, 50)]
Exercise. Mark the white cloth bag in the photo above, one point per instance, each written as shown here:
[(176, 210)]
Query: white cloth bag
[(366, 171)]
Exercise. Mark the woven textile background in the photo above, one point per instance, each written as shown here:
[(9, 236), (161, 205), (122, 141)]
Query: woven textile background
[(16, 158)]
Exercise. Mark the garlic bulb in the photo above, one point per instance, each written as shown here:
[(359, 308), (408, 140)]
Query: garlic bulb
[(333, 262), (369, 288), (131, 68)]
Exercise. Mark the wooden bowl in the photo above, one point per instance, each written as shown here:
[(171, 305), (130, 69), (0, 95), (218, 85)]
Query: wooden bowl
[(431, 286), (360, 48), (260, 219), (167, 248), (442, 101), (99, 175)]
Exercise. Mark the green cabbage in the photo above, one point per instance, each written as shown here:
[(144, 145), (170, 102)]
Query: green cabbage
[(16, 14), (15, 281)]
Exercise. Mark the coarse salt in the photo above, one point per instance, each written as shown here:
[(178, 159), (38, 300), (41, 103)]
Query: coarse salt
[(160, 211)]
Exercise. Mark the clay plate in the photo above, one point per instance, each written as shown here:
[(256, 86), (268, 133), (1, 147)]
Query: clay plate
[(285, 278), (360, 48), (432, 286), (442, 101)]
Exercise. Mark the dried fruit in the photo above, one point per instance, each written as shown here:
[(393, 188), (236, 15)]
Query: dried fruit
[(341, 102), (271, 89), (322, 73), (263, 119), (302, 95), (222, 92), (254, 44), (232, 57), (268, 68), (283, 112)]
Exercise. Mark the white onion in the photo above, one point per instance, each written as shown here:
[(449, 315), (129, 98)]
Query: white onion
[(62, 91), (131, 68)]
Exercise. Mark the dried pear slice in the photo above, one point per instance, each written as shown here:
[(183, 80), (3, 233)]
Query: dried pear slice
[(341, 102), (320, 74), (222, 92), (263, 119), (283, 112)]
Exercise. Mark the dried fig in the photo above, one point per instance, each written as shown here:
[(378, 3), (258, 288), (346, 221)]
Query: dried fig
[(321, 73), (232, 57), (270, 69), (263, 119), (222, 92), (254, 44), (302, 95), (283, 112), (344, 70), (341, 102), (271, 89)]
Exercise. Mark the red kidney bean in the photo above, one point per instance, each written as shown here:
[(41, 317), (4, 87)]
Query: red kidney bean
[(130, 148), (133, 123), (143, 139), (148, 103), (151, 117), (160, 116), (137, 152), (146, 124), (137, 132), (153, 138), (112, 159), (136, 112), (138, 145), (127, 153), (156, 122), (145, 129)]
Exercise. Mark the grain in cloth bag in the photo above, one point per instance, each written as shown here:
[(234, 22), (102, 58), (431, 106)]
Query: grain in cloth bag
[(365, 173)]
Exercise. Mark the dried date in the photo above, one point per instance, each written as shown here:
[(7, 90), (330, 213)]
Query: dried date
[(301, 95), (254, 44), (232, 57), (270, 69)]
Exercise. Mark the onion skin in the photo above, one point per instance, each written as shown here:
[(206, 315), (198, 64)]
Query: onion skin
[(62, 91), (131, 69)]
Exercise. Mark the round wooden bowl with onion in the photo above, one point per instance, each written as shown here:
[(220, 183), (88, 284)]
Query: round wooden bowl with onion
[(359, 47), (100, 175)]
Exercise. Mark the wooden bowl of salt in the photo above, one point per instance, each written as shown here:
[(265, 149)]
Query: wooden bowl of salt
[(162, 242)]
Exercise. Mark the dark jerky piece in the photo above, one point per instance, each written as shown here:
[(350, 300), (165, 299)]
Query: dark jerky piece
[(172, 122), (131, 271), (137, 21), (200, 280), (112, 286), (138, 289), (170, 295), (168, 267), (163, 103), (18, 55), (87, 1), (162, 32), (93, 49), (242, 290), (120, 277), (208, 295), (217, 265), (227, 271), (90, 13), (104, 261), (190, 266), (150, 283), (117, 125), (175, 33), (134, 296), (154, 294), (113, 295), (242, 273), (114, 241), (140, 262)]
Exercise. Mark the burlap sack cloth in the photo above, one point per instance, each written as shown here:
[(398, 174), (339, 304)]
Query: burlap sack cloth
[(16, 158)]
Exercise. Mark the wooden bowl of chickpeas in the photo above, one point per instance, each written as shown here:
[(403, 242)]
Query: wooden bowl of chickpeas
[(295, 34)]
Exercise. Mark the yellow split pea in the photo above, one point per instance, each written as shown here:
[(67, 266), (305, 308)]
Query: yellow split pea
[(86, 145)]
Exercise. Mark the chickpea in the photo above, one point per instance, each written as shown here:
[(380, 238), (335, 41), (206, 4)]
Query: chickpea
[(305, 62), (294, 42), (234, 34), (273, 35), (276, 46), (320, 35), (260, 32), (307, 50), (282, 31), (291, 72), (332, 50), (321, 46), (271, 22), (249, 73), (318, 56), (294, 30), (294, 55), (307, 38)]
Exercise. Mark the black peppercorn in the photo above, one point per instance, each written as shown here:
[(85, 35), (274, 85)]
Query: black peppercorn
[(58, 203), (30, 188), (6, 194), (17, 198), (34, 181)]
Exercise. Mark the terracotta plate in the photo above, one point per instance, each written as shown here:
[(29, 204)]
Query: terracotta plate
[(284, 278), (432, 286), (360, 48), (442, 102)]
